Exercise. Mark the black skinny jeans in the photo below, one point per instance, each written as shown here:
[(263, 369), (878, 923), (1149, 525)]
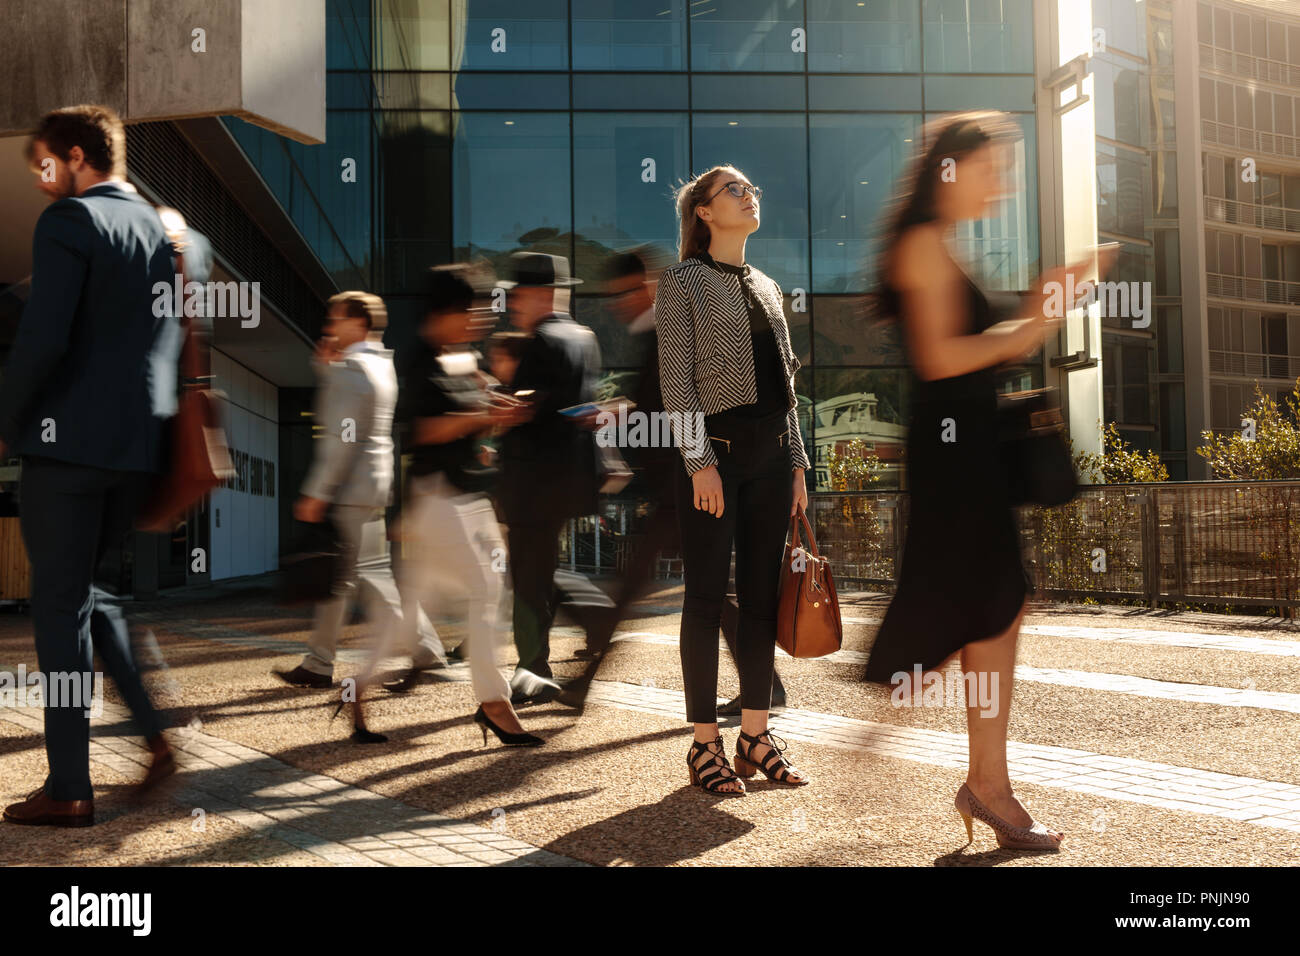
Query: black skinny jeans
[(757, 490)]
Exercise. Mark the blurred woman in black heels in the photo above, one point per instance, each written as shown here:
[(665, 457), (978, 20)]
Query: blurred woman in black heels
[(962, 585)]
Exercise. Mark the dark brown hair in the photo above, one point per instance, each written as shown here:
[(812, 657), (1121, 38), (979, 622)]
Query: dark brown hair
[(96, 129), (694, 237), (362, 305), (949, 137)]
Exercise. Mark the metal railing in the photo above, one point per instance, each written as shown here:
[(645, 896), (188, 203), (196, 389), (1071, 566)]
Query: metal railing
[(1251, 289), (1254, 140), (1251, 67), (1212, 543), (1253, 365), (1238, 213)]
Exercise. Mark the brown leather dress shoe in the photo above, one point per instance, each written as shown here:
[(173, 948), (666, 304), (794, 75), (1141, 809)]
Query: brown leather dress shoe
[(39, 810), (162, 766)]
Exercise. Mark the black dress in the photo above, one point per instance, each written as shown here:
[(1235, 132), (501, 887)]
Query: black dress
[(962, 578)]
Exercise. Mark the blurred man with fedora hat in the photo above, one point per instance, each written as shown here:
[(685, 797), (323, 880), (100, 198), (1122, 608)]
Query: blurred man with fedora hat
[(550, 467)]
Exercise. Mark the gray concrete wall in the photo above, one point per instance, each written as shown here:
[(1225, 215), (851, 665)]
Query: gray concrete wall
[(60, 53), (283, 82), (168, 78), (263, 61)]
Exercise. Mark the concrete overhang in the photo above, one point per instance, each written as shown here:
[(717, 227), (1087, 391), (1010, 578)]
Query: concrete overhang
[(168, 59)]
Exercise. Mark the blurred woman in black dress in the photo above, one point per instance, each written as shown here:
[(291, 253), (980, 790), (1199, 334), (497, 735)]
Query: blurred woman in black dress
[(962, 585)]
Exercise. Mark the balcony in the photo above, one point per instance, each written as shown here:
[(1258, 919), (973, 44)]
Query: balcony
[(1252, 140), (1237, 213), (1254, 365), (1250, 289), (1250, 67)]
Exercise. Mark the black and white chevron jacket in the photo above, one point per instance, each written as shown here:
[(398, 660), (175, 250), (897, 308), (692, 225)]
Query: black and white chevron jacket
[(706, 355)]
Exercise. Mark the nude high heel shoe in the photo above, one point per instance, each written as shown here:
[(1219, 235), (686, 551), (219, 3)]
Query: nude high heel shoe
[(1036, 837)]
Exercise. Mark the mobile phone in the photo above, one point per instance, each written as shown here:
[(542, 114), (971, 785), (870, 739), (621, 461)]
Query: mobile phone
[(578, 411)]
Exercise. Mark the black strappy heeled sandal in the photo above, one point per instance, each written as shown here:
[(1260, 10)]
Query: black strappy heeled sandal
[(715, 771), (774, 766)]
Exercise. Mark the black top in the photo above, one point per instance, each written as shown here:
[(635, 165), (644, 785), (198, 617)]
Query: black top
[(962, 577), (439, 392), (769, 370)]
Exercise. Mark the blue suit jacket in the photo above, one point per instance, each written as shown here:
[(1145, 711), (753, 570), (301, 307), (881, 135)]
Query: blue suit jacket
[(92, 367)]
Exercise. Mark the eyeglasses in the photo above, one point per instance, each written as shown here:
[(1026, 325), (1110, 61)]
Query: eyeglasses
[(738, 190)]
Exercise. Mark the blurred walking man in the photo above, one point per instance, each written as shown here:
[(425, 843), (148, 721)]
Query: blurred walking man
[(549, 468), (351, 474), (86, 395)]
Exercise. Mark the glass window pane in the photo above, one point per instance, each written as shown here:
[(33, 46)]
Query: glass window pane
[(519, 91), (979, 93), (1124, 23), (511, 174), (726, 35), (630, 91), (347, 34), (1121, 191), (510, 35), (869, 405), (625, 166), (1167, 278), (629, 34), (413, 35), (858, 93), (878, 36), (978, 36), (415, 149), (772, 150), (843, 334), (413, 91), (741, 92), (1170, 335), (856, 160)]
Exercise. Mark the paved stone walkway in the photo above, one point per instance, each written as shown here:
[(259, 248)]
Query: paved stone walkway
[(342, 824), (1262, 802)]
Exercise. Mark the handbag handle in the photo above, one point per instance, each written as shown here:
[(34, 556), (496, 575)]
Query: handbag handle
[(191, 368), (795, 520)]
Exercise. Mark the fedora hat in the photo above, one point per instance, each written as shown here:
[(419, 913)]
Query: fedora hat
[(538, 269)]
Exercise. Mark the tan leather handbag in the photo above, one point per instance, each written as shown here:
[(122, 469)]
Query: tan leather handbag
[(200, 458), (808, 615)]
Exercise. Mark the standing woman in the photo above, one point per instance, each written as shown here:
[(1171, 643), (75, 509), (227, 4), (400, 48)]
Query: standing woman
[(962, 586), (727, 377)]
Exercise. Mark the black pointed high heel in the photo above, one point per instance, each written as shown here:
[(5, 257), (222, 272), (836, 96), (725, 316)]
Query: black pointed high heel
[(360, 735), (506, 737)]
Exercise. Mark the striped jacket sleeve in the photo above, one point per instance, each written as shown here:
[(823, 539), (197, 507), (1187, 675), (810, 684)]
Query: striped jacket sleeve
[(798, 456), (677, 370)]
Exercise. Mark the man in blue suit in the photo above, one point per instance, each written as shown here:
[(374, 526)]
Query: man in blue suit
[(85, 397)]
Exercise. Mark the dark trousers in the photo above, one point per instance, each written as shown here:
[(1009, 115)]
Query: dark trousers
[(71, 515), (757, 490), (540, 589)]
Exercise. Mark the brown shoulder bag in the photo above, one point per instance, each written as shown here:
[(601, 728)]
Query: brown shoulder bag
[(200, 458), (808, 615)]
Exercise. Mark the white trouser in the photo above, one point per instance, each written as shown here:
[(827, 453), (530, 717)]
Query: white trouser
[(452, 537), (365, 573)]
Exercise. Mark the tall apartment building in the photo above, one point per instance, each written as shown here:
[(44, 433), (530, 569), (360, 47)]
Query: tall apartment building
[(1198, 177)]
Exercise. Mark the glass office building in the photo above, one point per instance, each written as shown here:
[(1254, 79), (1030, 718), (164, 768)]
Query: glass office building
[(481, 127)]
